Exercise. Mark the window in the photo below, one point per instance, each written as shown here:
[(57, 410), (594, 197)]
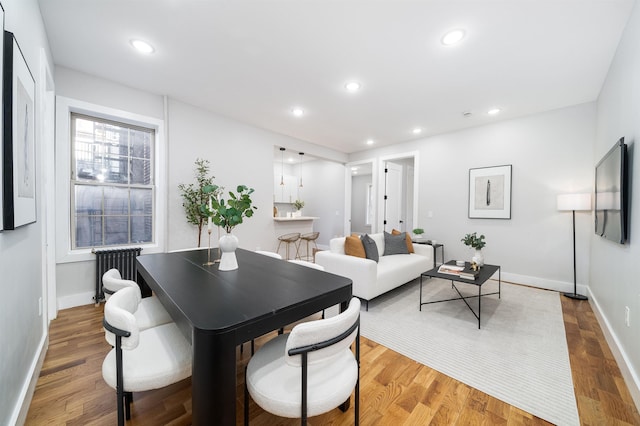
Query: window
[(112, 183)]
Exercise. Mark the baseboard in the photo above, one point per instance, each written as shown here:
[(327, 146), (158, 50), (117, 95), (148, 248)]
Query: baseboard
[(74, 300), (630, 376), (560, 286), (24, 401)]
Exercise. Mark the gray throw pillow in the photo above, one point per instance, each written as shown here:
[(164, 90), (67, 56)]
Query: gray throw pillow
[(395, 244), (370, 247)]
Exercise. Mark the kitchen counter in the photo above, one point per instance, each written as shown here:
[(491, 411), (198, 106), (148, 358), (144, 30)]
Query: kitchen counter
[(294, 219)]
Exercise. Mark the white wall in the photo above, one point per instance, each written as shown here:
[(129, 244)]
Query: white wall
[(242, 154), (614, 278), (22, 327), (551, 153)]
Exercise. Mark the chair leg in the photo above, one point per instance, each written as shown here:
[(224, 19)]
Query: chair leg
[(128, 399), (246, 399)]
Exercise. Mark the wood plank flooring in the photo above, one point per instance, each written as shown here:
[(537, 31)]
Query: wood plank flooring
[(394, 389)]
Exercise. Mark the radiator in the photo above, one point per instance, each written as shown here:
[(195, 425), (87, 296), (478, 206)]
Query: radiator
[(124, 260)]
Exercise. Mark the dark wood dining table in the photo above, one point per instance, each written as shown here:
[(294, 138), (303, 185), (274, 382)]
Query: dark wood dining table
[(218, 310)]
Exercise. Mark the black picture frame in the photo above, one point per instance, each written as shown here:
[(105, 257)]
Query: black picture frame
[(19, 159), (490, 192)]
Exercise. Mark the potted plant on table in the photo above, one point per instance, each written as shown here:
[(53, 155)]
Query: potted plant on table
[(298, 205), (418, 233), (228, 214), (476, 242)]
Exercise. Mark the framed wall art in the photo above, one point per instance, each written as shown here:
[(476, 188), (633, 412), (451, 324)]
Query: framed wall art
[(18, 103), (490, 192)]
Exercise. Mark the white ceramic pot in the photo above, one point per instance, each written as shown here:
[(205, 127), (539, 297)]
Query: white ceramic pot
[(228, 245), (478, 258)]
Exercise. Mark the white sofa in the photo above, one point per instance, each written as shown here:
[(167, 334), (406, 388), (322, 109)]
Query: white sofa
[(371, 279)]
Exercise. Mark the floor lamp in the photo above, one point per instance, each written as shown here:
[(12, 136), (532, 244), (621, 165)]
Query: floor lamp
[(573, 203)]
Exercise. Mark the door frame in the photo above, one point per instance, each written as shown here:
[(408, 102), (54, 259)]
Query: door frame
[(348, 191), (416, 173)]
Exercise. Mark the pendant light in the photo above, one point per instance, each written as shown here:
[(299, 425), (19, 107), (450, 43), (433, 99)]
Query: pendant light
[(282, 170), (300, 167)]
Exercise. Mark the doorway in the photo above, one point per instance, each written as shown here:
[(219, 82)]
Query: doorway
[(398, 192)]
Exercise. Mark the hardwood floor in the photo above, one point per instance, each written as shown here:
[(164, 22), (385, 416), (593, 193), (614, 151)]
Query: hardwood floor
[(394, 389)]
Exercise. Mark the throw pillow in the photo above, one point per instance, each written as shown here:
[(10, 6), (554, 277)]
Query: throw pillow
[(395, 244), (370, 248), (353, 246), (409, 243)]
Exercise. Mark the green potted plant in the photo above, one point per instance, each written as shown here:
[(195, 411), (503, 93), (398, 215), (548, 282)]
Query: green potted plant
[(194, 196), (418, 232), (476, 242), (228, 214), (298, 205)]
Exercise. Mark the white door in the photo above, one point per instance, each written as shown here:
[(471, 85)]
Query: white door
[(393, 197)]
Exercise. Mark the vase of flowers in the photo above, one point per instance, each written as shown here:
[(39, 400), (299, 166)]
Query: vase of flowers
[(476, 242), (228, 214), (298, 205)]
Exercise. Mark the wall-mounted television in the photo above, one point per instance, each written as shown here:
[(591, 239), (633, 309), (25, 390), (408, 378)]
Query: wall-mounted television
[(611, 204)]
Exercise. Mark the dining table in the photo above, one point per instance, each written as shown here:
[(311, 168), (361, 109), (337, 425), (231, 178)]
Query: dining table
[(219, 310)]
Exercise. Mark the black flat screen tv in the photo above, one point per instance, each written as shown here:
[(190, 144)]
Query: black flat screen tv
[(611, 204)]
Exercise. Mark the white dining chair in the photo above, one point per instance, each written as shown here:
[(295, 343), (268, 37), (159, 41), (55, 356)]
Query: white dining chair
[(269, 253), (150, 312), (309, 371), (140, 360)]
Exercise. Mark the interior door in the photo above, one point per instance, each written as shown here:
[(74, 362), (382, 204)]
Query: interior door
[(393, 197)]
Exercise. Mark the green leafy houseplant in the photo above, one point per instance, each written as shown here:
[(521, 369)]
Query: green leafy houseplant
[(229, 213), (298, 204), (418, 231), (193, 195), (472, 240)]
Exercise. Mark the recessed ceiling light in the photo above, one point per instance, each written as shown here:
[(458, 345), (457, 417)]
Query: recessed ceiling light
[(298, 112), (370, 142), (354, 169), (453, 37), (142, 46), (352, 86), (417, 131), (494, 111)]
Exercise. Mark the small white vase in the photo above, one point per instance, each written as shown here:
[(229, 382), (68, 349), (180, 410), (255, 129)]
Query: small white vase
[(478, 258), (228, 244)]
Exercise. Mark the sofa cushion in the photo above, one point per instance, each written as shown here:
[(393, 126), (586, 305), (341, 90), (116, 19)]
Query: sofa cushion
[(408, 238), (353, 246), (370, 248), (395, 244)]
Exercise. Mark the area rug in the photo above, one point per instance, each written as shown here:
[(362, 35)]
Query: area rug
[(519, 355)]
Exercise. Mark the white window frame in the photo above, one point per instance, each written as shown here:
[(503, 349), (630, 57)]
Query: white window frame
[(64, 108)]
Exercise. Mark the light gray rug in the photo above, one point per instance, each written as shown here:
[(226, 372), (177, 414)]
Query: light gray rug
[(519, 356)]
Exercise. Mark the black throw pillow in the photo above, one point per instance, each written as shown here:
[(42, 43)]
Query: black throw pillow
[(395, 244), (370, 247)]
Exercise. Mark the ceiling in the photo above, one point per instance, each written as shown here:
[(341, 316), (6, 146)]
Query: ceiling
[(254, 60)]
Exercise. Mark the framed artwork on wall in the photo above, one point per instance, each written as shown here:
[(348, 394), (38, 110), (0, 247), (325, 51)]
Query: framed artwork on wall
[(18, 103), (490, 192)]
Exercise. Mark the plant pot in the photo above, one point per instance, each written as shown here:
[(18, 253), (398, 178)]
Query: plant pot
[(228, 244), (478, 258)]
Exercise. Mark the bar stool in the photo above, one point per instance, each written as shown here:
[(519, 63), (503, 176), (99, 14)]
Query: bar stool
[(289, 239), (310, 237)]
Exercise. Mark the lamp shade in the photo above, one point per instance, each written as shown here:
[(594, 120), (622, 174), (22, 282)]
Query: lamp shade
[(569, 202)]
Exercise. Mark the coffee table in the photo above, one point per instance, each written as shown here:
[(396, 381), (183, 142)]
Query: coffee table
[(486, 272)]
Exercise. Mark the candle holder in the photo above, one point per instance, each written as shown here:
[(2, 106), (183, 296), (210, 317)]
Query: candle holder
[(209, 262)]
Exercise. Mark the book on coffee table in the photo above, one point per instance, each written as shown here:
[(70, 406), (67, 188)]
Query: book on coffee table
[(459, 271)]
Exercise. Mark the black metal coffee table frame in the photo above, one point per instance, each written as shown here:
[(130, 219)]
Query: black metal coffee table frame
[(486, 272)]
